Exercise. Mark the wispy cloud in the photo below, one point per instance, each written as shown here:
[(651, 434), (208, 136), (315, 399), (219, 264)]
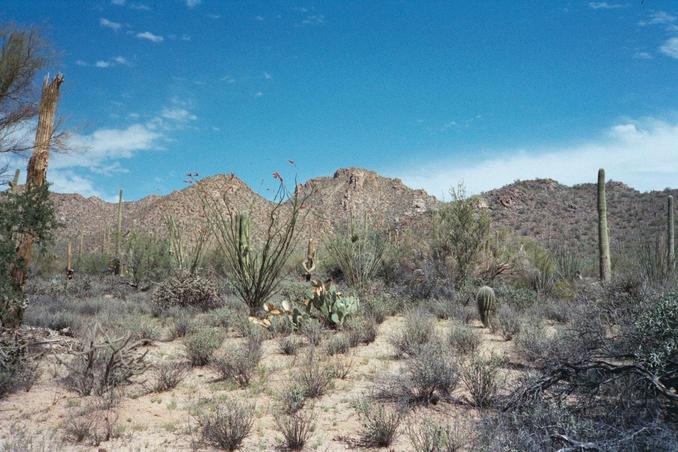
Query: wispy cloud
[(115, 26), (607, 5), (617, 150), (105, 64), (658, 18), (642, 56), (147, 35), (118, 2), (193, 3), (670, 48), (178, 114)]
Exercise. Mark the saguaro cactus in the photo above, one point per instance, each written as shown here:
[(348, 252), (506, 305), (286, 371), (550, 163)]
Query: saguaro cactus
[(670, 239), (69, 261), (603, 238), (15, 182), (118, 237), (35, 177)]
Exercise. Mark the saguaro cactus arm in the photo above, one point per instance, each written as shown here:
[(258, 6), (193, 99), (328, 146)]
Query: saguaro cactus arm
[(670, 239)]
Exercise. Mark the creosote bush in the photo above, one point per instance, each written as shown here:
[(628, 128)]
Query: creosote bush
[(227, 425), (417, 331), (481, 377), (238, 364), (430, 436), (462, 339), (379, 423), (507, 322), (201, 343), (296, 428), (168, 375)]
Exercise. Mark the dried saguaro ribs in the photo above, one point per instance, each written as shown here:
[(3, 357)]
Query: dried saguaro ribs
[(37, 168)]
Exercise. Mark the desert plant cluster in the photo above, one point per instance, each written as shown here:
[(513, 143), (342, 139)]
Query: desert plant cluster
[(260, 333)]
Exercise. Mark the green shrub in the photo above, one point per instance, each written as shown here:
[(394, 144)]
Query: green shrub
[(418, 329), (201, 343)]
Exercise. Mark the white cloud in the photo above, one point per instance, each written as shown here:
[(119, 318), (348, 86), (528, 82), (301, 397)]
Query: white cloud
[(607, 5), (118, 2), (258, 94), (670, 48), (313, 19), (228, 79), (80, 63), (121, 60), (115, 26), (639, 153), (178, 114), (642, 56), (659, 18), (150, 37), (102, 64), (193, 3)]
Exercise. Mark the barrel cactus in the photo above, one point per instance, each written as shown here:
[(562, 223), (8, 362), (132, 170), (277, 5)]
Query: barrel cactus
[(487, 301)]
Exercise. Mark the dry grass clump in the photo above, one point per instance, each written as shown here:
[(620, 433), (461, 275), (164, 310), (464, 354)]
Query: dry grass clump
[(296, 428), (379, 423), (431, 436), (481, 377), (168, 375)]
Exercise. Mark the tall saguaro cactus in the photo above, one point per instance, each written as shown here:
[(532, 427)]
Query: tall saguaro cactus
[(671, 238), (118, 237), (603, 237), (36, 176)]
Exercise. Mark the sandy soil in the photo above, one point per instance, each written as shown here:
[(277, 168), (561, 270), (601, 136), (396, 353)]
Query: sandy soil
[(163, 421)]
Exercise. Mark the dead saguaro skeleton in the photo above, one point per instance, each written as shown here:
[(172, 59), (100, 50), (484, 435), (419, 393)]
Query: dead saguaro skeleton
[(37, 172)]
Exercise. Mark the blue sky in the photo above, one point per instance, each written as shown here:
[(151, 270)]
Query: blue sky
[(431, 92)]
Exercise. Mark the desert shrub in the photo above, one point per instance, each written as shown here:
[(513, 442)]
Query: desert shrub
[(379, 423), (296, 428), (186, 290), (314, 377), (292, 397), (462, 339), (429, 376), (142, 328), (338, 343), (506, 323), (227, 425), (221, 317), (78, 428), (442, 309), (482, 379), (201, 343), (281, 326), (555, 310), (238, 364), (657, 335), (518, 298), (358, 253), (378, 307), (18, 369), (461, 227), (103, 363), (168, 375), (182, 322), (417, 331), (95, 263), (340, 367), (430, 436), (289, 345), (312, 330), (147, 257), (542, 274), (361, 330), (533, 342)]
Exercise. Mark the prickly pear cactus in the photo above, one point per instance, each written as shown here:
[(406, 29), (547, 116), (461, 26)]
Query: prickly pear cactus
[(333, 308), (486, 300)]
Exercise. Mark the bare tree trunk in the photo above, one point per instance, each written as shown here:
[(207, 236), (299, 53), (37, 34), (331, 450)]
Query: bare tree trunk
[(36, 177)]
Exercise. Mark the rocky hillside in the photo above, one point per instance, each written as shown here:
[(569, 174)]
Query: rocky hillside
[(541, 209), (552, 212)]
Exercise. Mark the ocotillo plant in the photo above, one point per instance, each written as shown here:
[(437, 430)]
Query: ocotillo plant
[(118, 237), (671, 239), (603, 238)]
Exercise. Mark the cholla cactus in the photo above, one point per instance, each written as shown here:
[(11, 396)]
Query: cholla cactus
[(486, 300)]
